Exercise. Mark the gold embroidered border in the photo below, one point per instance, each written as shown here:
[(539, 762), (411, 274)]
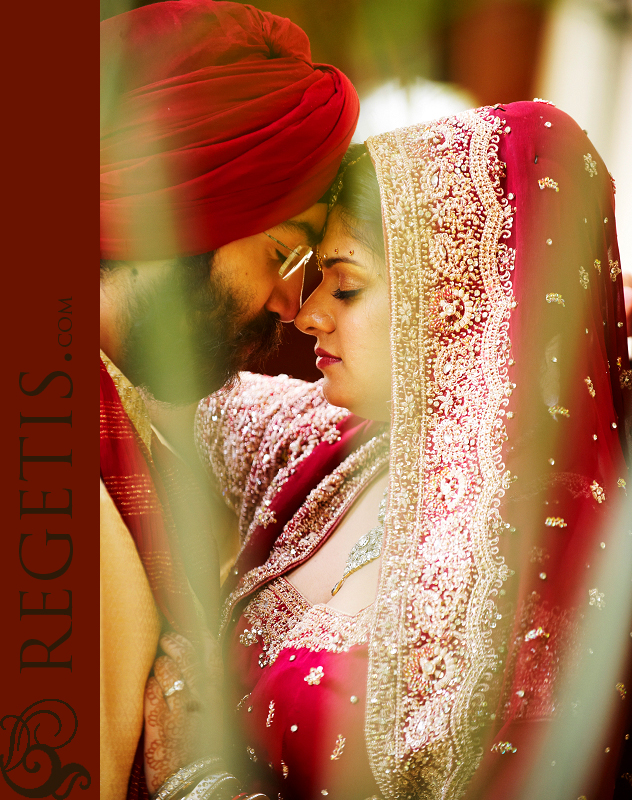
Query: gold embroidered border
[(323, 507), (324, 628), (273, 612), (431, 656)]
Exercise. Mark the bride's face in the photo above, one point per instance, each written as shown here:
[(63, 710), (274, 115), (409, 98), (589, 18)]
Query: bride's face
[(348, 314)]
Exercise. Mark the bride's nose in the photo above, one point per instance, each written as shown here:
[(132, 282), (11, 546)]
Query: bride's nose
[(313, 317)]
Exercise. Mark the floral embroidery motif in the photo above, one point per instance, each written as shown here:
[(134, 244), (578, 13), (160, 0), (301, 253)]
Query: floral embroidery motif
[(622, 690), (590, 165), (621, 483), (272, 613), (503, 748), (270, 714), (265, 517), (548, 183), (340, 746), (323, 628), (248, 638), (316, 674), (596, 598), (251, 754), (597, 265), (554, 410), (536, 633), (597, 492), (554, 297), (555, 522), (615, 270), (285, 770), (589, 384), (584, 278)]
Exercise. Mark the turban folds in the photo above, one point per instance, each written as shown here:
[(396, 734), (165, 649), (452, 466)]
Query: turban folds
[(215, 126)]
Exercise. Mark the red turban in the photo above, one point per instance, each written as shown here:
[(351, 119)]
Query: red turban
[(216, 126)]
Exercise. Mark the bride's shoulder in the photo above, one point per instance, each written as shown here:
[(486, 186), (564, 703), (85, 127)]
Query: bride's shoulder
[(260, 397)]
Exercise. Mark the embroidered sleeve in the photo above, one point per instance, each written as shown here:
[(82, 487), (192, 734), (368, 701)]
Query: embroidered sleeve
[(232, 426)]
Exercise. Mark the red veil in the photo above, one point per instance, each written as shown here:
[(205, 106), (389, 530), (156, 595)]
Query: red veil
[(502, 645)]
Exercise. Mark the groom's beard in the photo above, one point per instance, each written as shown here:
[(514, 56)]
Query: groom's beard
[(188, 337)]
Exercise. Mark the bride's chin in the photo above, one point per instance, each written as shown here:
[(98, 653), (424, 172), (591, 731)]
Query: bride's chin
[(333, 395)]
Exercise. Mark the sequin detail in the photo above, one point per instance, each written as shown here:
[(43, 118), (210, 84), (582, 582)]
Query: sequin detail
[(615, 270), (316, 674), (590, 165), (270, 714), (597, 265), (584, 278), (596, 598), (555, 522), (622, 690), (548, 183), (597, 492), (325, 629), (503, 748), (272, 613), (555, 410), (554, 297), (338, 749), (589, 384), (536, 633)]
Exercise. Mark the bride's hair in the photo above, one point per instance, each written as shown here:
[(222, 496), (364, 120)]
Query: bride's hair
[(359, 200)]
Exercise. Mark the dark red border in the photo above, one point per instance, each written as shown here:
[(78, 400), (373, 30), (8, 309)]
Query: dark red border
[(49, 253)]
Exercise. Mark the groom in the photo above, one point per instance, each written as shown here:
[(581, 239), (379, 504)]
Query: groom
[(219, 137)]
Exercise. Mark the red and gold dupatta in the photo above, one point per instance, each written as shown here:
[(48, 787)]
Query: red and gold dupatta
[(511, 401)]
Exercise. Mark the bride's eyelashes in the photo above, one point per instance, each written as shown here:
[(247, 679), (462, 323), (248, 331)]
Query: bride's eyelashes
[(345, 294)]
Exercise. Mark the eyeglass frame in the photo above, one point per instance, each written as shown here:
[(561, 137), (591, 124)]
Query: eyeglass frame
[(302, 251)]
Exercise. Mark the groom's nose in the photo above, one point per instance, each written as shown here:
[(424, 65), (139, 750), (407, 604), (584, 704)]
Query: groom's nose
[(285, 297)]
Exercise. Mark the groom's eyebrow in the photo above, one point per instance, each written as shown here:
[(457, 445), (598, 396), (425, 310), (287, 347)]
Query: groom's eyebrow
[(311, 234)]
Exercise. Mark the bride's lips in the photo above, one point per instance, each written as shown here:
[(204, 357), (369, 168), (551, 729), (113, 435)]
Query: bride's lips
[(325, 359)]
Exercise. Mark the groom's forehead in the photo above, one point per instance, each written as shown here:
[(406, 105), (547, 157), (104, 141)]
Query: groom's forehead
[(310, 225)]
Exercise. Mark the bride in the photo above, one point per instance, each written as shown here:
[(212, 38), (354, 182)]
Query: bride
[(427, 533)]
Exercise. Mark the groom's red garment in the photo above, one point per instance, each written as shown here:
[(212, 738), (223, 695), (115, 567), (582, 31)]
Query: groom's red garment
[(216, 125)]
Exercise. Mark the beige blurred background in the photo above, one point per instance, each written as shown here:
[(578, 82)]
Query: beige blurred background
[(414, 60)]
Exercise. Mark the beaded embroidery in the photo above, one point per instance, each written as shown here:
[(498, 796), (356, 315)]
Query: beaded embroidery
[(323, 507), (451, 300), (590, 165), (584, 278)]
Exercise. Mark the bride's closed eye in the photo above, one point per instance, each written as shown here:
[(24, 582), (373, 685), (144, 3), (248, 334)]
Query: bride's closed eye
[(345, 294)]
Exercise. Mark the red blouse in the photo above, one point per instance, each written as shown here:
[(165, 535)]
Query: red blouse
[(297, 684)]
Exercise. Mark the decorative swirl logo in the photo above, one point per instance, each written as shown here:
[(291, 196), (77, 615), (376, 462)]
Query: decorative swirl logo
[(32, 767)]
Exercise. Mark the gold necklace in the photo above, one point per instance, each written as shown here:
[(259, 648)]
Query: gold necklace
[(367, 548)]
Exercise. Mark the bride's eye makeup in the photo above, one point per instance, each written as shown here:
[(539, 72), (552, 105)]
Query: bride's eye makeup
[(345, 294)]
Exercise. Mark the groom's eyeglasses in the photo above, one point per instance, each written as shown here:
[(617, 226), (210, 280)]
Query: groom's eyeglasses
[(299, 256)]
